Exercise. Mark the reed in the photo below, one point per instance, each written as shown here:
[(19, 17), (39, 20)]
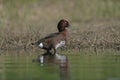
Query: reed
[(95, 22)]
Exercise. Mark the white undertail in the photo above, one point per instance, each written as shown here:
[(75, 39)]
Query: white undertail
[(41, 45)]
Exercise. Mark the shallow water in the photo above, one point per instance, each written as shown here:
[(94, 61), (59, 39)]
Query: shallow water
[(25, 65)]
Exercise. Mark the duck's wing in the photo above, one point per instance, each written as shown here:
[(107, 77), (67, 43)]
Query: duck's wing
[(51, 35), (45, 38)]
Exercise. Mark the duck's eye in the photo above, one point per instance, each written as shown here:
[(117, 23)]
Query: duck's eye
[(65, 22)]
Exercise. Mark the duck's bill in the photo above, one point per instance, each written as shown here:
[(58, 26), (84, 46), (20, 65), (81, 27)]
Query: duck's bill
[(69, 26)]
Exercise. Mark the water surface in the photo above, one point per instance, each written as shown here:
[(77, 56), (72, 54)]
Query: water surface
[(19, 65)]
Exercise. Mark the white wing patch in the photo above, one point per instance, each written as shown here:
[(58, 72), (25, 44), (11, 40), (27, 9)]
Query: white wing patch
[(41, 45), (60, 44)]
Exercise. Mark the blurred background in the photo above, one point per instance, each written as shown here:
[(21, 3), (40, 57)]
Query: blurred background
[(93, 48), (95, 22)]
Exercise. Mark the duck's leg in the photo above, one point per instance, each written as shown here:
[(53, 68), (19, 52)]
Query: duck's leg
[(55, 51), (48, 52)]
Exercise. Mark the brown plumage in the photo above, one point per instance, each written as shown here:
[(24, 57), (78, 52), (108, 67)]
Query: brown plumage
[(55, 40)]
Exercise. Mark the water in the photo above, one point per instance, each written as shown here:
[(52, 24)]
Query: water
[(27, 65)]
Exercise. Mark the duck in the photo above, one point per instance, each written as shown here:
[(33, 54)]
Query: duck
[(55, 40)]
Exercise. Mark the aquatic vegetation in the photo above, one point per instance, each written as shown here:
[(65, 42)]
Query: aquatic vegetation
[(96, 22)]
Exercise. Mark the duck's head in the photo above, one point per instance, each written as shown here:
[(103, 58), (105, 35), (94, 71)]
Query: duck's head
[(62, 25)]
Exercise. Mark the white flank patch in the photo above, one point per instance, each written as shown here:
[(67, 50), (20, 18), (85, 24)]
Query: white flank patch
[(41, 45), (62, 43)]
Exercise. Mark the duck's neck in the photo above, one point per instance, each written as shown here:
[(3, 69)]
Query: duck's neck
[(65, 32), (61, 28)]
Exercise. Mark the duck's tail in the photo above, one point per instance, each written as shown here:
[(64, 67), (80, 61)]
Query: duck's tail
[(37, 42), (32, 43)]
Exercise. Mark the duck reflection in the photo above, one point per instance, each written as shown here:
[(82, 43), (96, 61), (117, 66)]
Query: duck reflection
[(59, 59)]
